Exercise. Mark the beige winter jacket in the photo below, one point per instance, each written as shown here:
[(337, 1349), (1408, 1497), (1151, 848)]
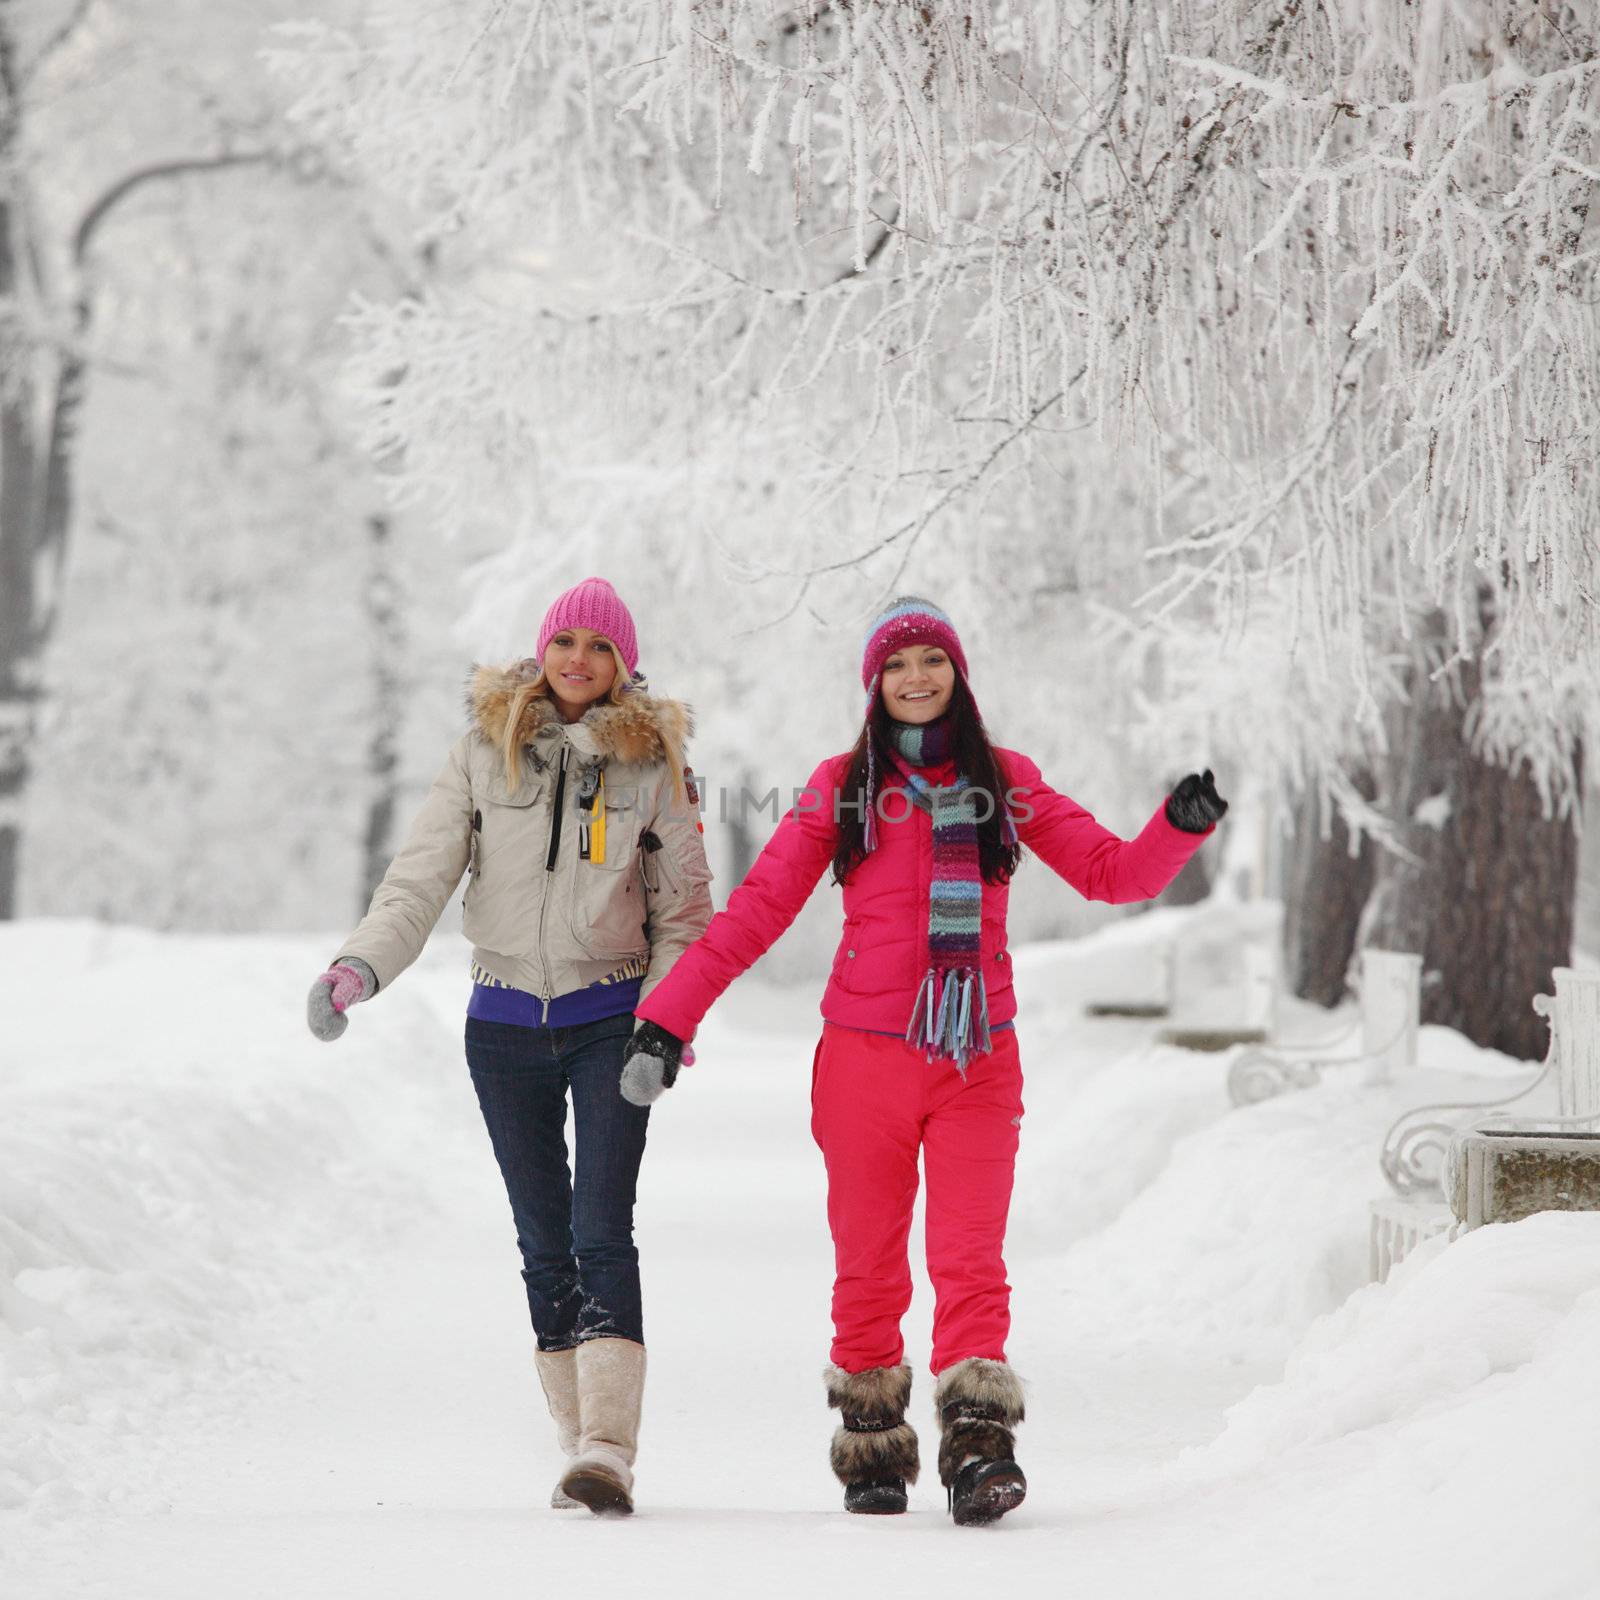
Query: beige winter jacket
[(549, 926)]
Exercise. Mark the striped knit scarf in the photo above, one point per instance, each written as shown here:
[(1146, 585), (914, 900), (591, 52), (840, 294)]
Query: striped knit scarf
[(950, 1019)]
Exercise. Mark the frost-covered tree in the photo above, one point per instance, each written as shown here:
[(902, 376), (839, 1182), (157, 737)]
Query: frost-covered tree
[(845, 276), (208, 634), (76, 158)]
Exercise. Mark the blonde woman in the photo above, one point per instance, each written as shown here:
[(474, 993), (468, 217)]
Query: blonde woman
[(567, 805)]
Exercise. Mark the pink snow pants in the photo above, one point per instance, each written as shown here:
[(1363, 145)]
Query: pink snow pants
[(874, 1104)]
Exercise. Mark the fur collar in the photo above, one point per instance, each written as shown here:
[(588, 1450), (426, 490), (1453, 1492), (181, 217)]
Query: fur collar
[(634, 731)]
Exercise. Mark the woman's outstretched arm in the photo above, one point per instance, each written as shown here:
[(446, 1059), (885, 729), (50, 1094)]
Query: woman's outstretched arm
[(1094, 860), (421, 878), (775, 888)]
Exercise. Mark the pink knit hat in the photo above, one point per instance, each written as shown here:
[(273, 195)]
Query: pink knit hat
[(592, 604), (908, 620), (905, 621)]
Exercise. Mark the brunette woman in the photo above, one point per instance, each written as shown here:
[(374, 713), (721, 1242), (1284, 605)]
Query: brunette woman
[(922, 823)]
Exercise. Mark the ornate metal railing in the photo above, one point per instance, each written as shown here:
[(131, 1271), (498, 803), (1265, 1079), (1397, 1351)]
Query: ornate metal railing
[(1417, 1136)]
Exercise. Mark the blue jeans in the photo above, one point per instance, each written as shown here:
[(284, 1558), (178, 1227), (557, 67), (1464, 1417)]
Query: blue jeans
[(576, 1237)]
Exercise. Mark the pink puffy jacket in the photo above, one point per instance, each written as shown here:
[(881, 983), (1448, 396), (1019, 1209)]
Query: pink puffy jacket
[(884, 952)]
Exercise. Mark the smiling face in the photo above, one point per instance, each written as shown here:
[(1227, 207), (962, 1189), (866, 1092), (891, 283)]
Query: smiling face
[(917, 683), (580, 666)]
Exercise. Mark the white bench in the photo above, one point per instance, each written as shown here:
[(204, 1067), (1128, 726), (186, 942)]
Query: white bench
[(1488, 1168), (1388, 988)]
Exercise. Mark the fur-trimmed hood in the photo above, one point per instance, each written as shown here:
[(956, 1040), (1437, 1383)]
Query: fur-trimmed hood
[(544, 919), (637, 730)]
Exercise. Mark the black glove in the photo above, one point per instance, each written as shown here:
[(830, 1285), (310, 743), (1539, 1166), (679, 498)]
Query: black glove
[(650, 1066), (1195, 804)]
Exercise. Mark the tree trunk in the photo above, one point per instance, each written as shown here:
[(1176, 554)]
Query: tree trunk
[(36, 497), (20, 504), (19, 664), (39, 407), (743, 845), (383, 751), (1326, 890), (1488, 894)]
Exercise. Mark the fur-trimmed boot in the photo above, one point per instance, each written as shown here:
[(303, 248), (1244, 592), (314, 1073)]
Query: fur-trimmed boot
[(558, 1377), (610, 1398), (874, 1452), (979, 1402)]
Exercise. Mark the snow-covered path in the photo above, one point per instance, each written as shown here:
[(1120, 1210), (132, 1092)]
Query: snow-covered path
[(377, 1429)]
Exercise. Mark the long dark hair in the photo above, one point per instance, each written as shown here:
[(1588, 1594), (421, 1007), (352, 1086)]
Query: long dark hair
[(975, 761)]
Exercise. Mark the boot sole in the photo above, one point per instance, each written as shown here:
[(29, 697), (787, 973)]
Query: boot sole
[(992, 1499), (602, 1495), (877, 1510)]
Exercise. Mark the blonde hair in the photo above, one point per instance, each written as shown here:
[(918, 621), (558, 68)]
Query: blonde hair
[(538, 688)]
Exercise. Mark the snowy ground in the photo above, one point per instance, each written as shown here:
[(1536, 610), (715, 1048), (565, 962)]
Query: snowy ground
[(262, 1333)]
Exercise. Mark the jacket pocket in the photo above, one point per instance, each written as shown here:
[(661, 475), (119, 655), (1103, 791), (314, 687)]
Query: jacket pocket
[(606, 910), (847, 955), (654, 870), (505, 860), (507, 828), (997, 972)]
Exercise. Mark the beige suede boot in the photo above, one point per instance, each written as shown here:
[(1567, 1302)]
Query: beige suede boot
[(610, 1395), (558, 1377)]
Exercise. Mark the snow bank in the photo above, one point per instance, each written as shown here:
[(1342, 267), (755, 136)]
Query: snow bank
[(1435, 1435), (1255, 1225), (1105, 1107), (175, 1164), (1463, 1337), (1430, 1435), (1091, 1147), (1181, 1219)]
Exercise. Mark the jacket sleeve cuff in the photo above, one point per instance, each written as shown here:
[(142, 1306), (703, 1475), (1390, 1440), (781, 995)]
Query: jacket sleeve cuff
[(1170, 847), (361, 965), (665, 1016)]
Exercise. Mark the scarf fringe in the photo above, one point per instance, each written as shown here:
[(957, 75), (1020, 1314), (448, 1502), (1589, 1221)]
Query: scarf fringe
[(920, 1030), (950, 1017)]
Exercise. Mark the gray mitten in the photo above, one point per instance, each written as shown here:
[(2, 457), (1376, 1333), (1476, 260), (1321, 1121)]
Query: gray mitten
[(650, 1067), (343, 985)]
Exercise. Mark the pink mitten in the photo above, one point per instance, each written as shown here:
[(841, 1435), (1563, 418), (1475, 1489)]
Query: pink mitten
[(348, 986)]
